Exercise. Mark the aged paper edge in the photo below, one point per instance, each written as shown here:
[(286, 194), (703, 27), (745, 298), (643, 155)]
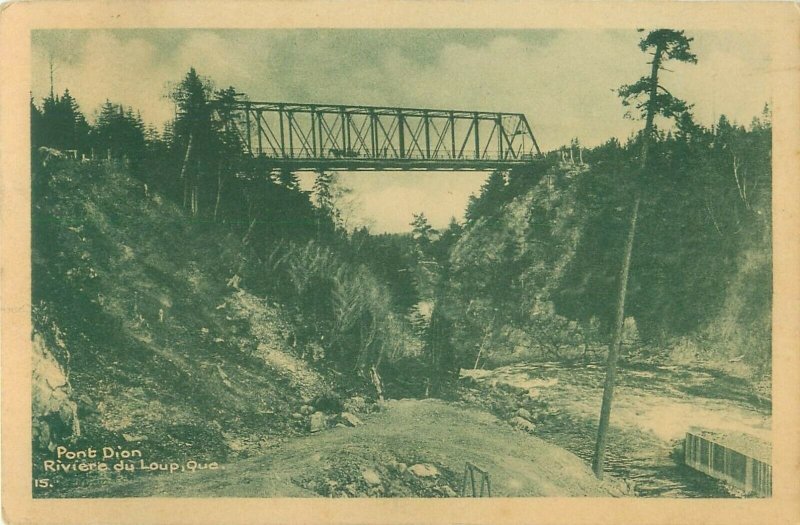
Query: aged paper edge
[(18, 19)]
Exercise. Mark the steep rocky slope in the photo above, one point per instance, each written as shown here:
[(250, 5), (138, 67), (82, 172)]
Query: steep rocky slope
[(145, 334)]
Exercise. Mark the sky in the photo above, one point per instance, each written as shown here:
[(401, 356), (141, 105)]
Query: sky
[(563, 81)]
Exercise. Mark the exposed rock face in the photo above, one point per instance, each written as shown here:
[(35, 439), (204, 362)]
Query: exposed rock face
[(55, 415), (269, 329)]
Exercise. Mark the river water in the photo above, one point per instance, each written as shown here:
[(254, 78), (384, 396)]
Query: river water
[(653, 408)]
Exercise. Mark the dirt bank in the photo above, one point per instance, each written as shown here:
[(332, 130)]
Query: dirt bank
[(411, 448)]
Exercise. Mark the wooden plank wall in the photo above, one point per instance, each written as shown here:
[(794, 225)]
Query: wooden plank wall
[(721, 462)]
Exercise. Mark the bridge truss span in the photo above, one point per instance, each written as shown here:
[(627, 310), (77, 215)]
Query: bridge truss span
[(331, 137)]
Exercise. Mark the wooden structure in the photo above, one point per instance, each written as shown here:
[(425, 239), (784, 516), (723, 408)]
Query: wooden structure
[(470, 471), (743, 461)]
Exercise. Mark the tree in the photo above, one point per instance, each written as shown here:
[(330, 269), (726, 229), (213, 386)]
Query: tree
[(229, 159), (325, 193), (118, 133), (424, 267), (62, 125), (490, 199), (651, 99), (193, 131), (36, 125)]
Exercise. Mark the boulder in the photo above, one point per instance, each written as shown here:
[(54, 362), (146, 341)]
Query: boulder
[(371, 476), (423, 470), (398, 467), (522, 424), (306, 410), (317, 422), (524, 414), (355, 404), (447, 491), (350, 419)]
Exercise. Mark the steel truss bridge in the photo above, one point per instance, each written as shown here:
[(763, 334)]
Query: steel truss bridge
[(301, 137)]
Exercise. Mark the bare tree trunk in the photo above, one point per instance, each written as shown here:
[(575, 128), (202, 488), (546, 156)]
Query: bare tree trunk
[(376, 381), (246, 237), (613, 349), (483, 343), (183, 169), (195, 190), (219, 193)]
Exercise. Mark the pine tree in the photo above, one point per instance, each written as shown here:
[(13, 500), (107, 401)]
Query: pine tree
[(651, 99), (36, 125), (63, 126), (490, 200), (193, 130)]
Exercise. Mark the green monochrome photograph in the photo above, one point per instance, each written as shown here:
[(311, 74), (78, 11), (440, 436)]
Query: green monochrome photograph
[(401, 262)]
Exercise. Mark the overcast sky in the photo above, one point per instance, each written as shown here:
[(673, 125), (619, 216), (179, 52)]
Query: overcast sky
[(562, 80)]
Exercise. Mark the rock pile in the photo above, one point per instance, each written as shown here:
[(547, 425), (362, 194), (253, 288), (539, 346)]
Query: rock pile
[(344, 478), (328, 411)]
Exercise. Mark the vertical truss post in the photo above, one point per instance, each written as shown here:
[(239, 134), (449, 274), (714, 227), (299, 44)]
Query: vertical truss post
[(373, 132), (500, 137), (344, 131), (260, 132), (283, 144), (475, 122), (247, 119), (320, 118), (401, 124), (452, 119), (314, 133), (348, 147), (427, 123), (291, 142)]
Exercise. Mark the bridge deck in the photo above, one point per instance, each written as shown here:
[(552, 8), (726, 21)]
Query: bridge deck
[(366, 164)]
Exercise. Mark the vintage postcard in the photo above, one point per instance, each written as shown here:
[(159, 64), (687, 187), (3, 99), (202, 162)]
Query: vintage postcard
[(399, 262)]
